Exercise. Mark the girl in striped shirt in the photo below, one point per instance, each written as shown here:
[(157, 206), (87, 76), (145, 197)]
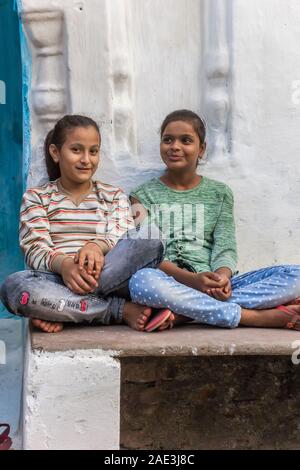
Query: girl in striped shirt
[(70, 230)]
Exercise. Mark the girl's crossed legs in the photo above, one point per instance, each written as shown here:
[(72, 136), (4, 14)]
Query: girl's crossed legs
[(254, 296), (44, 297)]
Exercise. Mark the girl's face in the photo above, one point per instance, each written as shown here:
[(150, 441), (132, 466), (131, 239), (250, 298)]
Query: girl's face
[(78, 158), (180, 146)]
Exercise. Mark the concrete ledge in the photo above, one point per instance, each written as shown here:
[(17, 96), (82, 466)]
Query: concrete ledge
[(102, 387), (187, 340)]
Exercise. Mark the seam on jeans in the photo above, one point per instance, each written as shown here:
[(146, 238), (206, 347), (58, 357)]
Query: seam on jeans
[(235, 324), (121, 310)]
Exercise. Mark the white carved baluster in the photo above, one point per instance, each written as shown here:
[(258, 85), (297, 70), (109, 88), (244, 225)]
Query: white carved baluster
[(217, 69), (122, 86), (44, 31)]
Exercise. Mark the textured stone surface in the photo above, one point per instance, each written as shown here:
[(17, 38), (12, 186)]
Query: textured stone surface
[(210, 403), (187, 340)]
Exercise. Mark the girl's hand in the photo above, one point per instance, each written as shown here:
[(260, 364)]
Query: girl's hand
[(223, 293), (78, 281), (91, 259), (206, 281)]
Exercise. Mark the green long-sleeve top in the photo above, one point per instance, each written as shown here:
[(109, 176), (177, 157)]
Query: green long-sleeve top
[(196, 224)]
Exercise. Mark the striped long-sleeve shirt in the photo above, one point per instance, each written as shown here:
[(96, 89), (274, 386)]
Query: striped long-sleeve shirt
[(53, 226)]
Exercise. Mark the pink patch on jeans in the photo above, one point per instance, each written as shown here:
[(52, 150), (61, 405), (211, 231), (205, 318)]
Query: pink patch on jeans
[(83, 305), (25, 298), (5, 440)]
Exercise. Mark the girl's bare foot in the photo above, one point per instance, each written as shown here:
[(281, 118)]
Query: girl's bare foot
[(47, 326), (136, 316), (270, 318)]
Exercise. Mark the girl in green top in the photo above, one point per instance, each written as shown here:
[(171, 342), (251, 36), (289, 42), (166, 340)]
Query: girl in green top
[(194, 214)]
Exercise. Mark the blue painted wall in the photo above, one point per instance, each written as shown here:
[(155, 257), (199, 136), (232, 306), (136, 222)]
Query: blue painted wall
[(11, 140), (14, 157)]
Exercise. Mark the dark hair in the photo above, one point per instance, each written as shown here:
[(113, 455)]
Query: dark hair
[(57, 136), (187, 116)]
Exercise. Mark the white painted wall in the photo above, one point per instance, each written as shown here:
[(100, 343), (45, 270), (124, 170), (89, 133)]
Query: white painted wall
[(126, 65), (265, 170), (129, 62), (71, 401)]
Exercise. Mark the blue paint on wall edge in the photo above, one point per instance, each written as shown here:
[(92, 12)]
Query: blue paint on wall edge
[(26, 79)]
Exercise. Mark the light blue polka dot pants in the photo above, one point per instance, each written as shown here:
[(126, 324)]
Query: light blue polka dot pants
[(261, 289)]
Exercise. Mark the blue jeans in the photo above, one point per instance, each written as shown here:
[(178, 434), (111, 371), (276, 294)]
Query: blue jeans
[(261, 289), (43, 295)]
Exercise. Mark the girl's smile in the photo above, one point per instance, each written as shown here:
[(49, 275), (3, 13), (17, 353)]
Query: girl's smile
[(174, 157)]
